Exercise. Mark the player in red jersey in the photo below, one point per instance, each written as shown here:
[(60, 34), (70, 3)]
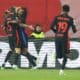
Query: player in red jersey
[(10, 31), (61, 26)]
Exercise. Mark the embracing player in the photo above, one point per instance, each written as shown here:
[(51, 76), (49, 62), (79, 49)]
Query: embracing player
[(9, 29), (14, 26), (22, 38)]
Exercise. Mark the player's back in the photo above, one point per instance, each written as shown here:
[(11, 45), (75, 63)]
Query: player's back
[(63, 23)]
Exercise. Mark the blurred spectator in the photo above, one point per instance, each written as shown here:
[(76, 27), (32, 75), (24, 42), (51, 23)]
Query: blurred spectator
[(37, 33)]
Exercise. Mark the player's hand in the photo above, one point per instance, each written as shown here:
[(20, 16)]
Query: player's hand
[(31, 27), (26, 26), (2, 26), (8, 22)]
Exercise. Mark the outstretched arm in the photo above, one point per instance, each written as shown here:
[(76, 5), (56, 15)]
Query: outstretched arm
[(26, 26)]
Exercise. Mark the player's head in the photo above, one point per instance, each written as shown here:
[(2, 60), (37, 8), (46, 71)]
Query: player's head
[(22, 11), (12, 10), (66, 8)]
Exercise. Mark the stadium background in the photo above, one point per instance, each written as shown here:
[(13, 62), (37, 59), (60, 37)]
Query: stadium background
[(42, 12)]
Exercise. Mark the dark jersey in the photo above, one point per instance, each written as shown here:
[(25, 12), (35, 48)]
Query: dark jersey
[(21, 19), (22, 39), (61, 26), (11, 27)]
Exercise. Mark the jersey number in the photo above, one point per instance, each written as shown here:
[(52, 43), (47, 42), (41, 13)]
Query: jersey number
[(62, 26)]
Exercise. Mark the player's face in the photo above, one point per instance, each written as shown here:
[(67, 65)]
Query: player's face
[(20, 11)]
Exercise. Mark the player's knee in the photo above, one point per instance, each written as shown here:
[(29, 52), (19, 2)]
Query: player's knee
[(17, 50)]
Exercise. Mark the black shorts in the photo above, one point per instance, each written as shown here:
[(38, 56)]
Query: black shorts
[(22, 42), (61, 48), (12, 42), (21, 38)]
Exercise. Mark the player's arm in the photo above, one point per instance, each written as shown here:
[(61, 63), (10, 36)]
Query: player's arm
[(26, 26), (12, 21), (4, 25), (4, 28), (73, 26), (53, 25)]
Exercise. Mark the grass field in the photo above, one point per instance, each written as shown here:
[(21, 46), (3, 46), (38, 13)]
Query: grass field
[(42, 74)]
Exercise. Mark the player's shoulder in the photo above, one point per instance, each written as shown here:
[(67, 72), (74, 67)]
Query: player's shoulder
[(70, 17), (57, 17)]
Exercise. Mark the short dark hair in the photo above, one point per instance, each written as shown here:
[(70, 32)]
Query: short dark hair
[(66, 8), (25, 12)]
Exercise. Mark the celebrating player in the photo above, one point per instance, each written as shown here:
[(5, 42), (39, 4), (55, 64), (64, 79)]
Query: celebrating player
[(9, 28), (22, 38)]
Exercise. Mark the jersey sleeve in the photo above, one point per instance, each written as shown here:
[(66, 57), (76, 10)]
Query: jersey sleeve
[(73, 26), (53, 25)]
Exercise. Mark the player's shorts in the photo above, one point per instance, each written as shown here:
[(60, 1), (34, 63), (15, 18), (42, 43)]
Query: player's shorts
[(12, 42), (22, 40), (61, 48)]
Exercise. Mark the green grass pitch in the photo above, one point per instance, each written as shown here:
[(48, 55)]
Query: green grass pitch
[(39, 74)]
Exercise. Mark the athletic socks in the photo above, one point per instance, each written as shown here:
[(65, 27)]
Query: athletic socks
[(64, 63), (7, 58), (16, 57), (30, 58)]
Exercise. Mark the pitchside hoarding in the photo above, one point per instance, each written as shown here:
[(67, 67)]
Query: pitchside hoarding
[(44, 50)]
